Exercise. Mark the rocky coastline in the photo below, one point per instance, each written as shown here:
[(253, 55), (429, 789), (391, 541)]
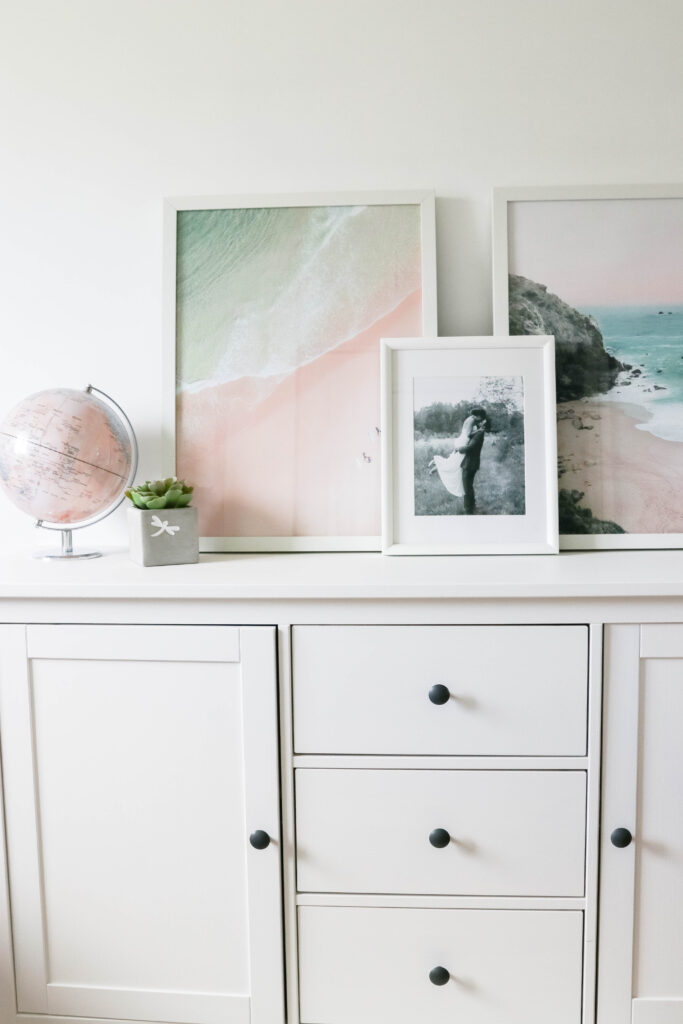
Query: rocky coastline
[(614, 477), (583, 367)]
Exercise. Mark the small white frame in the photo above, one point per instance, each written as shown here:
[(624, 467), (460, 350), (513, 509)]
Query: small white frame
[(535, 532), (425, 199), (501, 198)]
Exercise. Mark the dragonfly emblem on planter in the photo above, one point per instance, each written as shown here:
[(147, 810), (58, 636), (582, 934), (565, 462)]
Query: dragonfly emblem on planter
[(162, 527)]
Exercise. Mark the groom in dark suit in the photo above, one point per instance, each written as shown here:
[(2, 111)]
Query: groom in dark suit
[(472, 459)]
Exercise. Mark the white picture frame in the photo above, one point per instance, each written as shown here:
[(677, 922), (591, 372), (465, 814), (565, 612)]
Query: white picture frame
[(509, 206), (424, 202), (422, 517)]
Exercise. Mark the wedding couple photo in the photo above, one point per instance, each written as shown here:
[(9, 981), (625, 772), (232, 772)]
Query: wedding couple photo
[(469, 446)]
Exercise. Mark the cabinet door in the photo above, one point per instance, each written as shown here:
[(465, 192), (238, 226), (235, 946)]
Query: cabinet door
[(640, 977), (137, 760)]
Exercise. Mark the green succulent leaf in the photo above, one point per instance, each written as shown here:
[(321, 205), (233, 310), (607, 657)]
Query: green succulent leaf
[(172, 498), (167, 493)]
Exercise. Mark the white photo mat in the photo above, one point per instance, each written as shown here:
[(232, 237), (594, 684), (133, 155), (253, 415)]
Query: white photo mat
[(406, 361), (423, 201), (629, 253)]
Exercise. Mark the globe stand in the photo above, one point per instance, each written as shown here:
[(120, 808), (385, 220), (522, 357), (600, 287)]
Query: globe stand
[(67, 548)]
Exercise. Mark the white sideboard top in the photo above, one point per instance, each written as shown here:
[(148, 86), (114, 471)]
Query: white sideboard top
[(572, 574)]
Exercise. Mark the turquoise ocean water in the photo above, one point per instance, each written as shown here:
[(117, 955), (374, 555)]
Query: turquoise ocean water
[(650, 338), (261, 292)]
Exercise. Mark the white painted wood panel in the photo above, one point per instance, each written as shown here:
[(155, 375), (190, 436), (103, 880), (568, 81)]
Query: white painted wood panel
[(364, 966), (590, 920), (512, 833), (32, 1018), (134, 643), (132, 786), (288, 812), (21, 820), (470, 762), (620, 760), (9, 635), (515, 690), (641, 897), (140, 776), (336, 899), (262, 811), (658, 947), (624, 582), (661, 640), (129, 1004), (657, 1011)]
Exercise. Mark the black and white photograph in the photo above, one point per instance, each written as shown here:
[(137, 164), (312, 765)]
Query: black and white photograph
[(469, 454), (469, 446)]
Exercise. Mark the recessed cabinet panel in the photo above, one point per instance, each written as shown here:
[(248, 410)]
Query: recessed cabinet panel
[(461, 833), (500, 690), (140, 776), (658, 969), (369, 965)]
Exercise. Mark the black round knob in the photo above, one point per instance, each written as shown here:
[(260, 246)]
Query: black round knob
[(259, 839), (439, 976), (439, 694), (439, 837), (621, 837)]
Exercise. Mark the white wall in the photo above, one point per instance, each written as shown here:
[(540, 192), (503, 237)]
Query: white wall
[(106, 106)]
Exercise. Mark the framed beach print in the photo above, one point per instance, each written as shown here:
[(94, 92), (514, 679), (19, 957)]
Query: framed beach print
[(601, 269), (468, 446), (274, 313)]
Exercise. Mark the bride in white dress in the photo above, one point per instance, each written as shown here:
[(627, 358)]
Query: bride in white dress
[(449, 467)]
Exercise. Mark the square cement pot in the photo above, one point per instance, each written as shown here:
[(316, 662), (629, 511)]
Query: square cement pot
[(165, 536)]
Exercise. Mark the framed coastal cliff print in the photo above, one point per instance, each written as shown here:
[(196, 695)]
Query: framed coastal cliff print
[(274, 313), (468, 446), (601, 269)]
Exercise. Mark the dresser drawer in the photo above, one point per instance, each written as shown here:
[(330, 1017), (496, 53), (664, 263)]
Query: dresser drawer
[(512, 690), (512, 833), (365, 966)]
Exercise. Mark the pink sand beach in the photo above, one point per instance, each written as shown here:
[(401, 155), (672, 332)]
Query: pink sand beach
[(295, 457), (627, 475)]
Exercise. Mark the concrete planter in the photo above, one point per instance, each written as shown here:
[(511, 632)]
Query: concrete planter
[(166, 536)]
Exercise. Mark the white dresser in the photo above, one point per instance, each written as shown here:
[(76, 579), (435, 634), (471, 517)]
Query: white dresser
[(343, 789), (441, 781)]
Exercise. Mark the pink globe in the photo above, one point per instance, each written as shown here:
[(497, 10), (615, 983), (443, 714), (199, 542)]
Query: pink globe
[(65, 456)]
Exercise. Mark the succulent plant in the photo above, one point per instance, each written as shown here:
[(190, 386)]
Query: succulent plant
[(168, 493)]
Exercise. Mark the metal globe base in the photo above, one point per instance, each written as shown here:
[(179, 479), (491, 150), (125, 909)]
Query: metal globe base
[(67, 549)]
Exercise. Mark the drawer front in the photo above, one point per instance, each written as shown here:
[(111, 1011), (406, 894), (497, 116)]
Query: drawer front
[(512, 833), (512, 690), (363, 966)]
